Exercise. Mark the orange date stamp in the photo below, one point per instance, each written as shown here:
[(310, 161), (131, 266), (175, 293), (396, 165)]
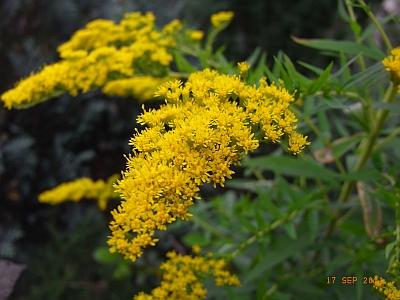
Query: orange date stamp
[(349, 280)]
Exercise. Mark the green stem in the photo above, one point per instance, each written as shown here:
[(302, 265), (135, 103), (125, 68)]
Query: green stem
[(366, 150), (386, 140), (178, 74), (367, 10), (356, 34), (263, 232), (270, 292), (206, 226), (397, 237)]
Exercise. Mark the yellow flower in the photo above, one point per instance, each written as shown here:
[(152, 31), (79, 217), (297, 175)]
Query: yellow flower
[(183, 275), (387, 290), (196, 249), (196, 35), (97, 55), (244, 69), (172, 27), (141, 87), (193, 139), (221, 18), (83, 188), (392, 65)]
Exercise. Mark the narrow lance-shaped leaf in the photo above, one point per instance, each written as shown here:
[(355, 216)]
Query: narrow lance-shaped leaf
[(338, 46), (321, 80), (285, 76), (182, 64)]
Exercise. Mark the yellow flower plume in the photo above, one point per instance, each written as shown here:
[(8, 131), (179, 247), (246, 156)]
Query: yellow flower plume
[(183, 275), (206, 126), (99, 54), (82, 188)]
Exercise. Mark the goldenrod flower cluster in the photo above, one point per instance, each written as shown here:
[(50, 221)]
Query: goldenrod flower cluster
[(221, 18), (392, 65), (142, 87), (183, 275), (83, 188), (100, 53), (387, 290), (205, 127)]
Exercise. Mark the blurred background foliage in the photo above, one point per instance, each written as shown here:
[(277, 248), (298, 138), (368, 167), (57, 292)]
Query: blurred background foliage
[(67, 138)]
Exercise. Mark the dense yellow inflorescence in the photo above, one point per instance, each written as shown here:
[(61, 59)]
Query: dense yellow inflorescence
[(183, 276), (387, 290), (98, 54), (82, 188), (392, 65), (206, 126)]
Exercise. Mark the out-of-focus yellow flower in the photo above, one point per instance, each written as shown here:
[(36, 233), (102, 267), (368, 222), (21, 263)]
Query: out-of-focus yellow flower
[(392, 65), (196, 35), (141, 87), (387, 290), (83, 188), (244, 69), (221, 18), (99, 54), (172, 27), (206, 126), (183, 276)]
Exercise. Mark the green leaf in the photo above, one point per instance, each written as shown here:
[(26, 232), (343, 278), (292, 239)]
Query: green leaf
[(313, 223), (339, 261), (270, 75), (324, 123), (282, 250), (304, 287), (225, 66), (321, 80), (341, 128), (247, 224), (355, 27), (122, 271), (353, 228), (204, 57), (290, 229), (341, 46), (287, 81), (276, 69), (344, 69), (362, 175), (195, 238), (342, 11), (342, 145), (392, 107), (291, 70), (258, 71), (374, 70), (261, 223), (254, 56), (312, 68), (268, 205), (182, 64), (291, 166), (389, 248), (103, 255), (372, 27)]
